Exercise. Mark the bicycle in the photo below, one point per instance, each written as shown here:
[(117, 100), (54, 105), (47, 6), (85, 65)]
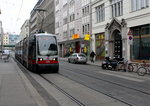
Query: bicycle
[(125, 64), (143, 69)]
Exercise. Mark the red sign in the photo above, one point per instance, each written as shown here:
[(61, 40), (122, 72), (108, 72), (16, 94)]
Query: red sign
[(130, 32)]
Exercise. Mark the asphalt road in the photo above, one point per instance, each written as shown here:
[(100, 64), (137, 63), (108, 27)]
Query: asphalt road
[(89, 85), (129, 89)]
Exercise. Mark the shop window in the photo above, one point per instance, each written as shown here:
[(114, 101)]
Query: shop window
[(145, 30), (140, 49)]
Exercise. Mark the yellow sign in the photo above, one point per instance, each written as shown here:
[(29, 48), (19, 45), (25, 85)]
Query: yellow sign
[(75, 36), (85, 49), (101, 36), (87, 37), (70, 49)]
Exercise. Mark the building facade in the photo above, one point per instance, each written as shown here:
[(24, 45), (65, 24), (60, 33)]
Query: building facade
[(24, 30), (1, 35), (6, 39), (121, 28), (42, 17), (71, 25), (33, 27)]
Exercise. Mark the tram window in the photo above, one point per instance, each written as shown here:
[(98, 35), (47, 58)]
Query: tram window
[(47, 46), (52, 47)]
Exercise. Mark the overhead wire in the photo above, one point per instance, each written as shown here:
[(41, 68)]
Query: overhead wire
[(19, 14)]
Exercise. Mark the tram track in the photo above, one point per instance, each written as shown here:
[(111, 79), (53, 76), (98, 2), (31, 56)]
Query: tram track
[(78, 102), (147, 93), (63, 91), (107, 81), (25, 71)]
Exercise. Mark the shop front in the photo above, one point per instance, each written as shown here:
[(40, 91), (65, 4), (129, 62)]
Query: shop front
[(140, 50), (75, 46), (100, 46)]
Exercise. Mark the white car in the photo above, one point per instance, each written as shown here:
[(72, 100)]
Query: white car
[(77, 58), (6, 52)]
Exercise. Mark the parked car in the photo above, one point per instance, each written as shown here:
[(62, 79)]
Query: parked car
[(77, 58)]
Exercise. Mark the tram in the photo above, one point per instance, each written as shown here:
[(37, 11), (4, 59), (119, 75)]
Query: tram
[(39, 52)]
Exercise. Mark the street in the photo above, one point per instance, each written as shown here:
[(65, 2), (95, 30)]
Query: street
[(92, 86), (79, 85)]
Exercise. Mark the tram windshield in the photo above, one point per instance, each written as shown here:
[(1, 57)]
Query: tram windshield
[(47, 46)]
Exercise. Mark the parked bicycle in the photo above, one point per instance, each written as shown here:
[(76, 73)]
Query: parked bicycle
[(125, 66), (143, 69)]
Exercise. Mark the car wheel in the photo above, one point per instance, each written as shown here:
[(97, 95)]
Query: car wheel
[(74, 61)]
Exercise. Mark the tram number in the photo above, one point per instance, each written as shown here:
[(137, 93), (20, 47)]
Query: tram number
[(47, 61)]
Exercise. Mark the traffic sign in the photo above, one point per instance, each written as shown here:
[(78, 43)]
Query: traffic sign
[(130, 41), (130, 38), (130, 32)]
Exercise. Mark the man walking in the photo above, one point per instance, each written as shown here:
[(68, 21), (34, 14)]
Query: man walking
[(92, 54)]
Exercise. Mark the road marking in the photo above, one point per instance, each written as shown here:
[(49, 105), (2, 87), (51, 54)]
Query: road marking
[(120, 76)]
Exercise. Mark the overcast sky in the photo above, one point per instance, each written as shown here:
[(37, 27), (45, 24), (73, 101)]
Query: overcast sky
[(14, 13)]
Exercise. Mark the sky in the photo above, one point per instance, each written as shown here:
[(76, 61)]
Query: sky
[(14, 13)]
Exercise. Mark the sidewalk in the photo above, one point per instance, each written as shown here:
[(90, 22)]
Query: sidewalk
[(15, 88)]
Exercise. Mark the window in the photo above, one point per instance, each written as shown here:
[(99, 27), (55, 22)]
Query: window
[(72, 32), (65, 34), (141, 46), (85, 29), (57, 24), (117, 8), (145, 30), (72, 2), (86, 10), (83, 11), (72, 17), (100, 13), (57, 2), (139, 4), (65, 21)]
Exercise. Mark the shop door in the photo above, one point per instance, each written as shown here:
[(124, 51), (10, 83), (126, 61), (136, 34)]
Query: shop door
[(77, 47)]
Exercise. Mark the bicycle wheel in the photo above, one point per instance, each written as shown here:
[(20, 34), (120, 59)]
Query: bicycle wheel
[(130, 68), (122, 67), (141, 71)]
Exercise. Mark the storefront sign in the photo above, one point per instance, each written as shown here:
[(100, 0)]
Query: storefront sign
[(75, 36), (87, 37)]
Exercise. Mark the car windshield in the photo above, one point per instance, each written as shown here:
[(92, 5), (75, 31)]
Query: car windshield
[(47, 46), (82, 55)]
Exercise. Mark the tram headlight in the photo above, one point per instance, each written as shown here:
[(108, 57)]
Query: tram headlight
[(40, 59), (55, 59)]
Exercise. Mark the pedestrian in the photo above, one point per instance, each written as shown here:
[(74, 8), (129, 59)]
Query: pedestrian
[(92, 54)]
